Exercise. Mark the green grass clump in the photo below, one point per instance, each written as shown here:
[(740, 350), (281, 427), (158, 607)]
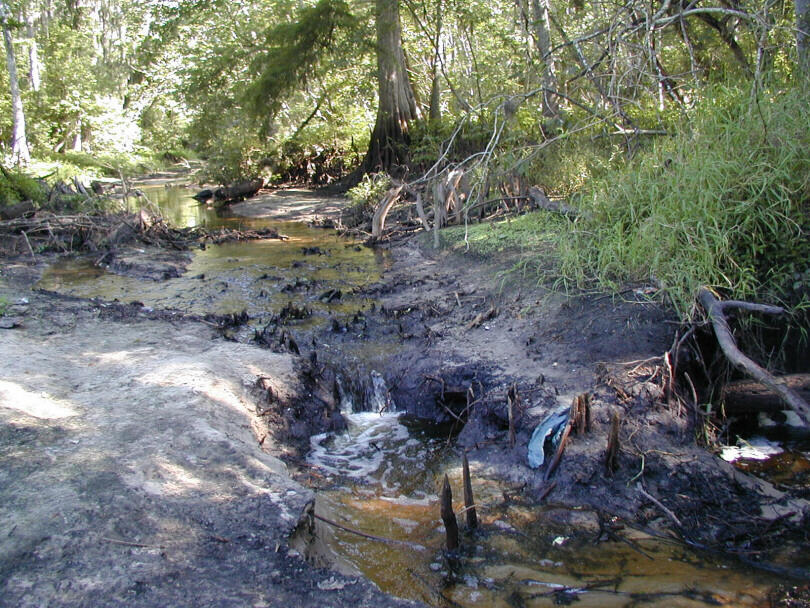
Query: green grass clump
[(519, 239), (724, 204)]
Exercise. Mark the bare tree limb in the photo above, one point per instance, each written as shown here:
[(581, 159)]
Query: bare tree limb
[(715, 310)]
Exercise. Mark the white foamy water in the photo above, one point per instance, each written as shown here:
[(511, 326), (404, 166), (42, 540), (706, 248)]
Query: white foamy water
[(369, 448), (756, 448)]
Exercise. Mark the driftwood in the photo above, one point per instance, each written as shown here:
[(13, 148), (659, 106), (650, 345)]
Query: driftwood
[(579, 419), (479, 319), (744, 396), (380, 539), (237, 192), (92, 232), (420, 211), (715, 311), (203, 196)]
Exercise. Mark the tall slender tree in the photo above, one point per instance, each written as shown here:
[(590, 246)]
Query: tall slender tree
[(542, 35), (19, 142), (802, 8)]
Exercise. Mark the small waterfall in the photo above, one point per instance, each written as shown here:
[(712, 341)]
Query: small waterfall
[(368, 394), (378, 398), (344, 396)]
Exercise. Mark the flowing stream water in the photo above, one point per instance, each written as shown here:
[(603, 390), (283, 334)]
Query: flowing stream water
[(380, 476)]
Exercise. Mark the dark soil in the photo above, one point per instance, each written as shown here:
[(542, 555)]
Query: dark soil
[(465, 332), (468, 331)]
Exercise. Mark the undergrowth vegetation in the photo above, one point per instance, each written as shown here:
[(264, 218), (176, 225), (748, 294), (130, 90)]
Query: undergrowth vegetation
[(726, 203), (16, 187)]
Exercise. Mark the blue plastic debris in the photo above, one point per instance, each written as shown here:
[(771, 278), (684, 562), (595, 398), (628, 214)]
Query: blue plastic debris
[(549, 430)]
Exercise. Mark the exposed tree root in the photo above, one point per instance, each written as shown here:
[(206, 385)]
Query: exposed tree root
[(715, 311)]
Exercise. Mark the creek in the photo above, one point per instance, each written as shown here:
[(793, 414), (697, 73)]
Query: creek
[(380, 476)]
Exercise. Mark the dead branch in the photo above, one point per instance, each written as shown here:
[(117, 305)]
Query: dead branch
[(378, 222), (381, 539), (715, 311), (659, 504), (481, 317)]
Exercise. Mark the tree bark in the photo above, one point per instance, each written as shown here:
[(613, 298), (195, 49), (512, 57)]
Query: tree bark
[(397, 105), (19, 145), (542, 34), (802, 8)]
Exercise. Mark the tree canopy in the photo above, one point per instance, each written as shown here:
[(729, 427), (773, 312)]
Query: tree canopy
[(261, 85)]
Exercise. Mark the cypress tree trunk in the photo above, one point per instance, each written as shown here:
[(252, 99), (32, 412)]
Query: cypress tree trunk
[(19, 144), (388, 147)]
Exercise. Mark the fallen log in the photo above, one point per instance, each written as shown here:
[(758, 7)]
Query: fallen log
[(715, 311), (541, 201), (237, 192), (747, 396), (203, 196)]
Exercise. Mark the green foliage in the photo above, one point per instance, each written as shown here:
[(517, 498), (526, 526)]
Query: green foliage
[(237, 154), (370, 190), (3, 305), (16, 187), (162, 125), (725, 204), (85, 166), (365, 197), (292, 51)]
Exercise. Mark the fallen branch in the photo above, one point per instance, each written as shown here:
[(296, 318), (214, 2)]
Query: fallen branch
[(658, 504), (715, 310), (125, 543), (481, 317)]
